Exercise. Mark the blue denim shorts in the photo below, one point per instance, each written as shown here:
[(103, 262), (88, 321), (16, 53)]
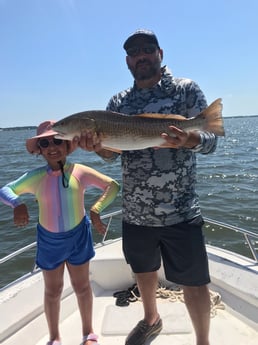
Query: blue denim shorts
[(74, 246)]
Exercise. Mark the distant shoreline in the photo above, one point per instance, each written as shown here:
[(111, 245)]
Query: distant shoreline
[(18, 128), (34, 127)]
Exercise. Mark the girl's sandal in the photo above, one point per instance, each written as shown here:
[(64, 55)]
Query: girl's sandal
[(92, 337)]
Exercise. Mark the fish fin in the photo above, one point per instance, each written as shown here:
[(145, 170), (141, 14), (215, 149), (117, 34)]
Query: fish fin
[(213, 118), (161, 116)]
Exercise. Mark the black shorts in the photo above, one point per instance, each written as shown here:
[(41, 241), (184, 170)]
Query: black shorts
[(181, 247)]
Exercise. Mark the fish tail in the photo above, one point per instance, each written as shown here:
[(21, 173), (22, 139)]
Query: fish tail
[(212, 115)]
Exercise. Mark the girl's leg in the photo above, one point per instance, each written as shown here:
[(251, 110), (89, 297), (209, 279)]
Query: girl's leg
[(82, 288), (53, 289)]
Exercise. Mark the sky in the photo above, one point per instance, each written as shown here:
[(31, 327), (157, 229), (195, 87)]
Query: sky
[(59, 57)]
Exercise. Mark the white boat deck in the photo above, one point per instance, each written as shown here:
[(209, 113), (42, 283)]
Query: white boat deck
[(111, 323), (114, 323)]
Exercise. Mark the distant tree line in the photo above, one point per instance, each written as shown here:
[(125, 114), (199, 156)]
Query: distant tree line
[(17, 128)]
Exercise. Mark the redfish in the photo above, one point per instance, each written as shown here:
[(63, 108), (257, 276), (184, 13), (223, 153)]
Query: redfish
[(121, 132)]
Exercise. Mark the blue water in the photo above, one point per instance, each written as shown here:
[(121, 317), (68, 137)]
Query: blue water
[(227, 186)]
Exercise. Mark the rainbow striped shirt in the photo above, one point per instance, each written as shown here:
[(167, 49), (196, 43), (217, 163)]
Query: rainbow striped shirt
[(60, 209)]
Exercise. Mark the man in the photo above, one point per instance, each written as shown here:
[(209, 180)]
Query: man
[(161, 214)]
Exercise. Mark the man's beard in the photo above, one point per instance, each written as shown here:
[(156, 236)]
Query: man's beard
[(149, 70)]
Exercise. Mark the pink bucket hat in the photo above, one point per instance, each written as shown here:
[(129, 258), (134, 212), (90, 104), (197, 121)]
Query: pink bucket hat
[(44, 130)]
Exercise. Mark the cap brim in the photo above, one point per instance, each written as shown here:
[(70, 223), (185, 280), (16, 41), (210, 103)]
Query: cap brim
[(149, 38)]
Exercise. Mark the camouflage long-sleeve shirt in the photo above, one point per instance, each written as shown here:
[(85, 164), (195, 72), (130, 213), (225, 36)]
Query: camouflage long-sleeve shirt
[(159, 184)]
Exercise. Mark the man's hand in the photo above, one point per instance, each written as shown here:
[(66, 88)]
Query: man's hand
[(179, 138), (89, 141), (20, 215)]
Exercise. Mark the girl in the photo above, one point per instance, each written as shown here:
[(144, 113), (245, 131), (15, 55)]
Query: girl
[(63, 230)]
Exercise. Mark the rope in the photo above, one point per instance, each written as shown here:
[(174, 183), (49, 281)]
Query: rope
[(176, 294)]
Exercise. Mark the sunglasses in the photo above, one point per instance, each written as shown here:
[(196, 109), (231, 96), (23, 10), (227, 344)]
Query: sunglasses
[(44, 143), (146, 49)]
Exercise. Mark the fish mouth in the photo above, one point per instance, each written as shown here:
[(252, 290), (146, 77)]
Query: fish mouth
[(60, 135), (55, 128)]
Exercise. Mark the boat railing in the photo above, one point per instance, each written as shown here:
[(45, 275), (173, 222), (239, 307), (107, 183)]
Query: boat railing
[(108, 216), (251, 238)]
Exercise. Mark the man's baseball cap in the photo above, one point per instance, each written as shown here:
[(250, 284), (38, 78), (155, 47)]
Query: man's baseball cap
[(138, 33)]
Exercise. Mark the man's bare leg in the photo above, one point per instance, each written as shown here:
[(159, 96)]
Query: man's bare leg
[(197, 300)]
